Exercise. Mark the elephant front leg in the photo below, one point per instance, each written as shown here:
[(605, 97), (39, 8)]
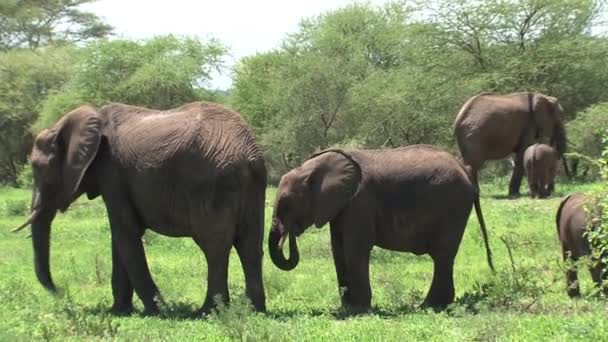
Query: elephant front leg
[(337, 250), (133, 258), (122, 289), (518, 173), (358, 293)]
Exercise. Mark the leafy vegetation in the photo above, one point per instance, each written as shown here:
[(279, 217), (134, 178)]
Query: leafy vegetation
[(366, 76), (33, 24), (359, 76)]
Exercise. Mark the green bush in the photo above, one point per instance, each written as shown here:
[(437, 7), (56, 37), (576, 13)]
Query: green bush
[(598, 212), (585, 134), (26, 177)]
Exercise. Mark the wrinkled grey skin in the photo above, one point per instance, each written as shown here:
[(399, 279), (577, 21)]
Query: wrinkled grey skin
[(540, 162), (571, 221), (193, 171), (491, 126), (412, 199)]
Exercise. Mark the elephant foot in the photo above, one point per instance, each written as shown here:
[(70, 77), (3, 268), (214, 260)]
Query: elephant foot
[(514, 195), (122, 309), (151, 311), (437, 307), (356, 309), (574, 293)]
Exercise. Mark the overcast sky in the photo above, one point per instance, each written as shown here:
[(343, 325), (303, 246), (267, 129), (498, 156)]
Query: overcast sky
[(246, 27)]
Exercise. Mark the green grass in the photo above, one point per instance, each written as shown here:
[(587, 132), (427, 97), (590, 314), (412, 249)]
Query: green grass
[(525, 301)]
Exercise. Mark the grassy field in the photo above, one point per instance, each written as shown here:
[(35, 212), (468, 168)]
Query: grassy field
[(525, 301)]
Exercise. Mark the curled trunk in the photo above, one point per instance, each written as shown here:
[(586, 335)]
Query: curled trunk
[(276, 250)]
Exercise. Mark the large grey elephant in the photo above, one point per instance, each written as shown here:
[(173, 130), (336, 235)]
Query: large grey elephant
[(492, 126), (193, 171), (573, 221), (412, 199), (540, 163)]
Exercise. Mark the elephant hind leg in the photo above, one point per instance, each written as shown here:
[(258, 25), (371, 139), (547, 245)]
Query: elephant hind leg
[(250, 253), (217, 254), (441, 293), (572, 284), (599, 274)]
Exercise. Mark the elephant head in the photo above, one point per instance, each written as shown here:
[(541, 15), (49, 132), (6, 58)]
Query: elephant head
[(548, 119), (313, 193), (60, 157)]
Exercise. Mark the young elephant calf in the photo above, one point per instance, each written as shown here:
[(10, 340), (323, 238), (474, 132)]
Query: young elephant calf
[(571, 223), (412, 199), (540, 162)]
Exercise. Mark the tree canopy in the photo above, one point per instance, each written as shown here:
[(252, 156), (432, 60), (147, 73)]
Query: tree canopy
[(368, 76), (34, 23)]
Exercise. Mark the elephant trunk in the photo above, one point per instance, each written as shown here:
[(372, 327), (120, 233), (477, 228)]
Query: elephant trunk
[(41, 219), (559, 140), (41, 234), (275, 247)]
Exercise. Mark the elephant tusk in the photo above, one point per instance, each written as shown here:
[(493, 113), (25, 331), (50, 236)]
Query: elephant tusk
[(27, 223), (282, 241)]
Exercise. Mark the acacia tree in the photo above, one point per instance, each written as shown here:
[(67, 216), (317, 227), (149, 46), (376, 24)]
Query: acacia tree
[(394, 75), (161, 73), (35, 23), (26, 78)]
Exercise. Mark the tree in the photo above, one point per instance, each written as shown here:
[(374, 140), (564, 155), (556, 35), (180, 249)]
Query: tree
[(34, 23), (26, 78), (161, 73)]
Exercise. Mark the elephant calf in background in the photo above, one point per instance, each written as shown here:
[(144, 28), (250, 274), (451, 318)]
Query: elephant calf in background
[(493, 126), (412, 199), (192, 171), (572, 223), (540, 162)]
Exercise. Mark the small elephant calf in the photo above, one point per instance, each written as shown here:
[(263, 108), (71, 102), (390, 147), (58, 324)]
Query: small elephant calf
[(571, 223), (540, 162)]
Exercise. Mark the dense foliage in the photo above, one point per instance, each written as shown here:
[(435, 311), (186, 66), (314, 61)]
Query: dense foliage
[(26, 79), (360, 76), (585, 135), (161, 73), (386, 76), (598, 212), (35, 23)]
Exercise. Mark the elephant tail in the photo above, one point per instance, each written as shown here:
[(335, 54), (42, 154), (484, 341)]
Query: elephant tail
[(558, 216), (253, 202), (484, 232)]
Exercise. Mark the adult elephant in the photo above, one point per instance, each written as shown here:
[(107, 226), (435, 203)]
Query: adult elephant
[(191, 171), (412, 199), (492, 126)]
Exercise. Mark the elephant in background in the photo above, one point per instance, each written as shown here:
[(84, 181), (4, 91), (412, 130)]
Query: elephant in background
[(540, 162), (193, 171), (572, 222), (492, 126), (412, 199)]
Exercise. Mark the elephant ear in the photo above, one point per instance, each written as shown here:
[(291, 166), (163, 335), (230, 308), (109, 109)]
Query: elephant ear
[(544, 115), (79, 138), (334, 181)]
